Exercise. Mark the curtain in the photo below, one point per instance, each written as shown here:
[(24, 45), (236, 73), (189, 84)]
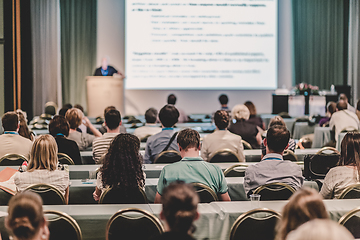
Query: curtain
[(78, 47), (354, 49), (320, 41), (45, 38)]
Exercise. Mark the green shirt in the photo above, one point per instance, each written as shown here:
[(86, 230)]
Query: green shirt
[(193, 170)]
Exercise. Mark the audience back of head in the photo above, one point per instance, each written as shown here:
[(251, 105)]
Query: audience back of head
[(277, 138), (10, 121), (112, 119), (171, 99), (168, 115), (223, 99), (43, 154), (350, 150), (74, 116), (23, 127), (251, 107), (341, 105), (331, 107), (221, 119), (240, 112), (151, 115), (188, 138), (277, 120), (59, 125)]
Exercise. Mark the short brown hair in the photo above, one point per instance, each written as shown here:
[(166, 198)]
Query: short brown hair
[(10, 121), (74, 117), (188, 138), (277, 138), (221, 119), (59, 125)]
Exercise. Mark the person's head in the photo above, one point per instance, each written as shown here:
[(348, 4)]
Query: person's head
[(10, 121), (358, 105), (68, 105), (23, 127), (350, 150), (122, 165), (277, 138), (151, 115), (223, 99), (179, 202), (74, 116), (343, 97), (43, 154), (104, 63), (112, 119), (251, 107), (108, 109), (320, 229), (188, 138), (168, 115), (62, 111), (341, 105), (240, 112), (51, 110), (25, 218), (171, 99), (221, 119), (78, 106), (277, 120), (304, 205), (331, 107), (59, 125)]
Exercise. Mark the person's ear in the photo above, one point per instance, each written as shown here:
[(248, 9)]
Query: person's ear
[(180, 149), (197, 215), (287, 146), (265, 142), (120, 123), (162, 217)]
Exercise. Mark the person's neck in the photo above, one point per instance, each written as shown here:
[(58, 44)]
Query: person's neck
[(268, 151), (220, 129), (116, 130), (72, 130), (190, 153)]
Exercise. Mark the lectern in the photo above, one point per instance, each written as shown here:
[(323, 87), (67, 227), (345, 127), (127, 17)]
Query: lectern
[(103, 92)]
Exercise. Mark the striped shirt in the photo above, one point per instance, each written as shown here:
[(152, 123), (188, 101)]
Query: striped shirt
[(101, 145)]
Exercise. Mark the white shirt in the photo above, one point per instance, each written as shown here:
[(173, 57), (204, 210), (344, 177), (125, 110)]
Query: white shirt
[(343, 120)]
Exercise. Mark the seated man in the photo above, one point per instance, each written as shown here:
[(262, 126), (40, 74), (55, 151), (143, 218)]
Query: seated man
[(330, 109), (222, 138), (11, 141), (150, 127), (272, 167), (166, 139), (103, 128), (182, 116), (101, 144), (192, 168)]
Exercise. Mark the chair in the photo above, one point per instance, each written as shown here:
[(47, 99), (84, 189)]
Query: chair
[(304, 142), (62, 226), (65, 159), (290, 155), (224, 155), (117, 196), (134, 223), (49, 194), (246, 144), (144, 139), (326, 150), (351, 221), (233, 172), (351, 192), (255, 224), (316, 166), (206, 194), (169, 156), (12, 159), (274, 191)]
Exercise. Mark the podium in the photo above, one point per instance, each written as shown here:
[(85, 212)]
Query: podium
[(104, 91)]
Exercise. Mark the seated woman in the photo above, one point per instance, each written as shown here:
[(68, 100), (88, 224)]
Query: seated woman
[(304, 205), (43, 167), (347, 171), (122, 167), (257, 120), (24, 129), (84, 140), (240, 126), (59, 129), (179, 201), (26, 219)]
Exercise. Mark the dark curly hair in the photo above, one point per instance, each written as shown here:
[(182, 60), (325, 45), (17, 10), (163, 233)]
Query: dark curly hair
[(221, 118), (122, 166)]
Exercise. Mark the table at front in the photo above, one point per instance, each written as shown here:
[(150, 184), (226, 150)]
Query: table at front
[(215, 219), (301, 129)]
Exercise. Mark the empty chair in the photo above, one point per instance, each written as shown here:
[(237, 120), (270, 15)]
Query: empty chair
[(351, 192), (274, 191), (328, 150), (49, 194), (224, 155), (290, 155), (135, 224), (62, 226), (65, 159), (206, 194), (316, 166), (255, 224), (351, 221), (169, 156), (12, 159), (117, 196), (234, 172)]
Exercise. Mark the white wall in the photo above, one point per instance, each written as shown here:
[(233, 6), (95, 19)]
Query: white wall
[(110, 41)]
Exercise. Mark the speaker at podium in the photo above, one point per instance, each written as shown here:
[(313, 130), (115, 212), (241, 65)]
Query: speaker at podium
[(104, 91)]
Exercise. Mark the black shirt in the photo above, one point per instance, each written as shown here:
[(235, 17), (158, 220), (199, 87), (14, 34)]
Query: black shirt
[(69, 147), (111, 71), (174, 236), (247, 131)]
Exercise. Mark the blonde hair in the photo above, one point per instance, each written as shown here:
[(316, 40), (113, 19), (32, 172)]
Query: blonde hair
[(239, 112), (74, 117), (44, 154)]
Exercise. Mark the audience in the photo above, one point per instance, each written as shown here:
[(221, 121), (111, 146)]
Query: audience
[(343, 97), (330, 109), (82, 127), (192, 168), (179, 210), (223, 99), (248, 131), (59, 129), (24, 129), (253, 117), (43, 167), (182, 116), (122, 166), (103, 128), (64, 109), (166, 139), (84, 140), (150, 127), (272, 168), (222, 138), (26, 220), (11, 141), (304, 205), (347, 171)]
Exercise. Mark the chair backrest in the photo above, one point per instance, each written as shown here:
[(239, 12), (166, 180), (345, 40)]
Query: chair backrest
[(274, 191), (224, 155), (255, 224), (117, 196), (206, 194), (233, 172), (169, 156), (49, 194), (305, 142), (65, 159), (328, 150), (290, 155), (12, 159), (135, 224), (246, 145), (316, 166), (62, 226), (351, 192), (351, 221)]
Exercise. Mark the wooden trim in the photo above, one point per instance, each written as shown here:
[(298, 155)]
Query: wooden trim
[(18, 54), (13, 57)]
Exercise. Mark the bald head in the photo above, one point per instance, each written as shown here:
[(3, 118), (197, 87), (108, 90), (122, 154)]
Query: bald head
[(341, 105)]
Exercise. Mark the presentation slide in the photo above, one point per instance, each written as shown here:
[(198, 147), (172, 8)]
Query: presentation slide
[(201, 44)]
